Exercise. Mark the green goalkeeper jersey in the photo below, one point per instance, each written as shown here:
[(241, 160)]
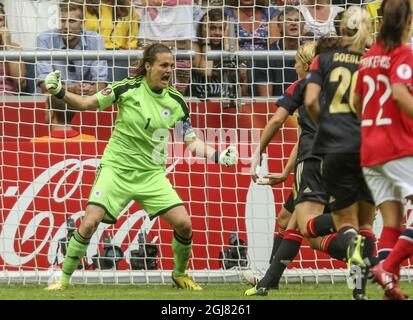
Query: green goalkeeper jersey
[(140, 138)]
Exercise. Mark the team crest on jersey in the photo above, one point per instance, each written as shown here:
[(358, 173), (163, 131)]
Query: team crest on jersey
[(404, 71), (106, 91), (166, 113), (97, 193)]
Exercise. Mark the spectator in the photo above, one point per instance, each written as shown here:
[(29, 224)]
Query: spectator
[(60, 118), (79, 76), (116, 21), (319, 16), (139, 8), (280, 4), (29, 19), (12, 74), (170, 22), (255, 23), (374, 8), (282, 71), (255, 27), (208, 76)]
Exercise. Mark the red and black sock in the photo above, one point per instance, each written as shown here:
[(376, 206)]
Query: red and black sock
[(329, 244), (321, 226), (286, 253), (401, 251), (278, 238), (388, 239), (369, 250)]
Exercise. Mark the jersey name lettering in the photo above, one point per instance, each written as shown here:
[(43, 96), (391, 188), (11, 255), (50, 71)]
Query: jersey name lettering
[(375, 62), (346, 57)]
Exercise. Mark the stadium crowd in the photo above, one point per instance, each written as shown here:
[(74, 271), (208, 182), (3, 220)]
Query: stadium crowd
[(199, 26)]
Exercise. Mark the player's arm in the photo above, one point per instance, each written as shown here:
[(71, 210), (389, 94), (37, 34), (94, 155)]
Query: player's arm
[(81, 103), (270, 130), (401, 95), (312, 101), (276, 178), (358, 94), (228, 157), (54, 86), (400, 80)]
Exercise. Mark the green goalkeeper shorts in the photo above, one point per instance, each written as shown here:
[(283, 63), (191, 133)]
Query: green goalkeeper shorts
[(114, 188)]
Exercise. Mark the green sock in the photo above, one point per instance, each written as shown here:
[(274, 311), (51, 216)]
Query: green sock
[(75, 252), (182, 250)]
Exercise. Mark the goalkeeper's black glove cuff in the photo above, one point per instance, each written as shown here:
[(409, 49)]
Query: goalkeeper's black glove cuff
[(61, 94)]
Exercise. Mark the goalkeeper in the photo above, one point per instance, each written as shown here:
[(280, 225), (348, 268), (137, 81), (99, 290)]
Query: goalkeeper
[(133, 164)]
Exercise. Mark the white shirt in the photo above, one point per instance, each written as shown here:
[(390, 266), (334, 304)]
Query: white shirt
[(319, 28), (168, 23), (27, 18)]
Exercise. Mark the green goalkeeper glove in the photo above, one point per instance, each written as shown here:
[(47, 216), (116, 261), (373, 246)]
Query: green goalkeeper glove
[(53, 84), (228, 157)]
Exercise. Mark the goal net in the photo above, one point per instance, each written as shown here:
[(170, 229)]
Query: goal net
[(231, 64)]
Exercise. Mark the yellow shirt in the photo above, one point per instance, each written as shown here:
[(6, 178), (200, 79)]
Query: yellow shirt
[(373, 9), (120, 34)]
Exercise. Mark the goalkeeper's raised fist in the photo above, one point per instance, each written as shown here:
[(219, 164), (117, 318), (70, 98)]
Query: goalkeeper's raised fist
[(228, 157), (53, 84)]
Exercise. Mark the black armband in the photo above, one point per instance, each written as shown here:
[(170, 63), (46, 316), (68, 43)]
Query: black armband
[(60, 94), (216, 157)]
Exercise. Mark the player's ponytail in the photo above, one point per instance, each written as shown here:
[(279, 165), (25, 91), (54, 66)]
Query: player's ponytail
[(306, 52), (356, 29), (396, 17), (149, 55)]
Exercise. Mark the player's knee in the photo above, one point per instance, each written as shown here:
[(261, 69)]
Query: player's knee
[(315, 243), (302, 225), (89, 226), (283, 218), (184, 227), (304, 231)]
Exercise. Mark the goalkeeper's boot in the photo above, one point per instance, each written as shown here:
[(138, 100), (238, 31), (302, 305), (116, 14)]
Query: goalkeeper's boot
[(389, 282), (254, 291), (355, 253), (186, 282), (57, 285)]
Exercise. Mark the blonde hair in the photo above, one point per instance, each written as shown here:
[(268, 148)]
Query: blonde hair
[(356, 28), (306, 52)]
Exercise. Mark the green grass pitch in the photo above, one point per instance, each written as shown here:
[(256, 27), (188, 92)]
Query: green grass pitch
[(306, 291)]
